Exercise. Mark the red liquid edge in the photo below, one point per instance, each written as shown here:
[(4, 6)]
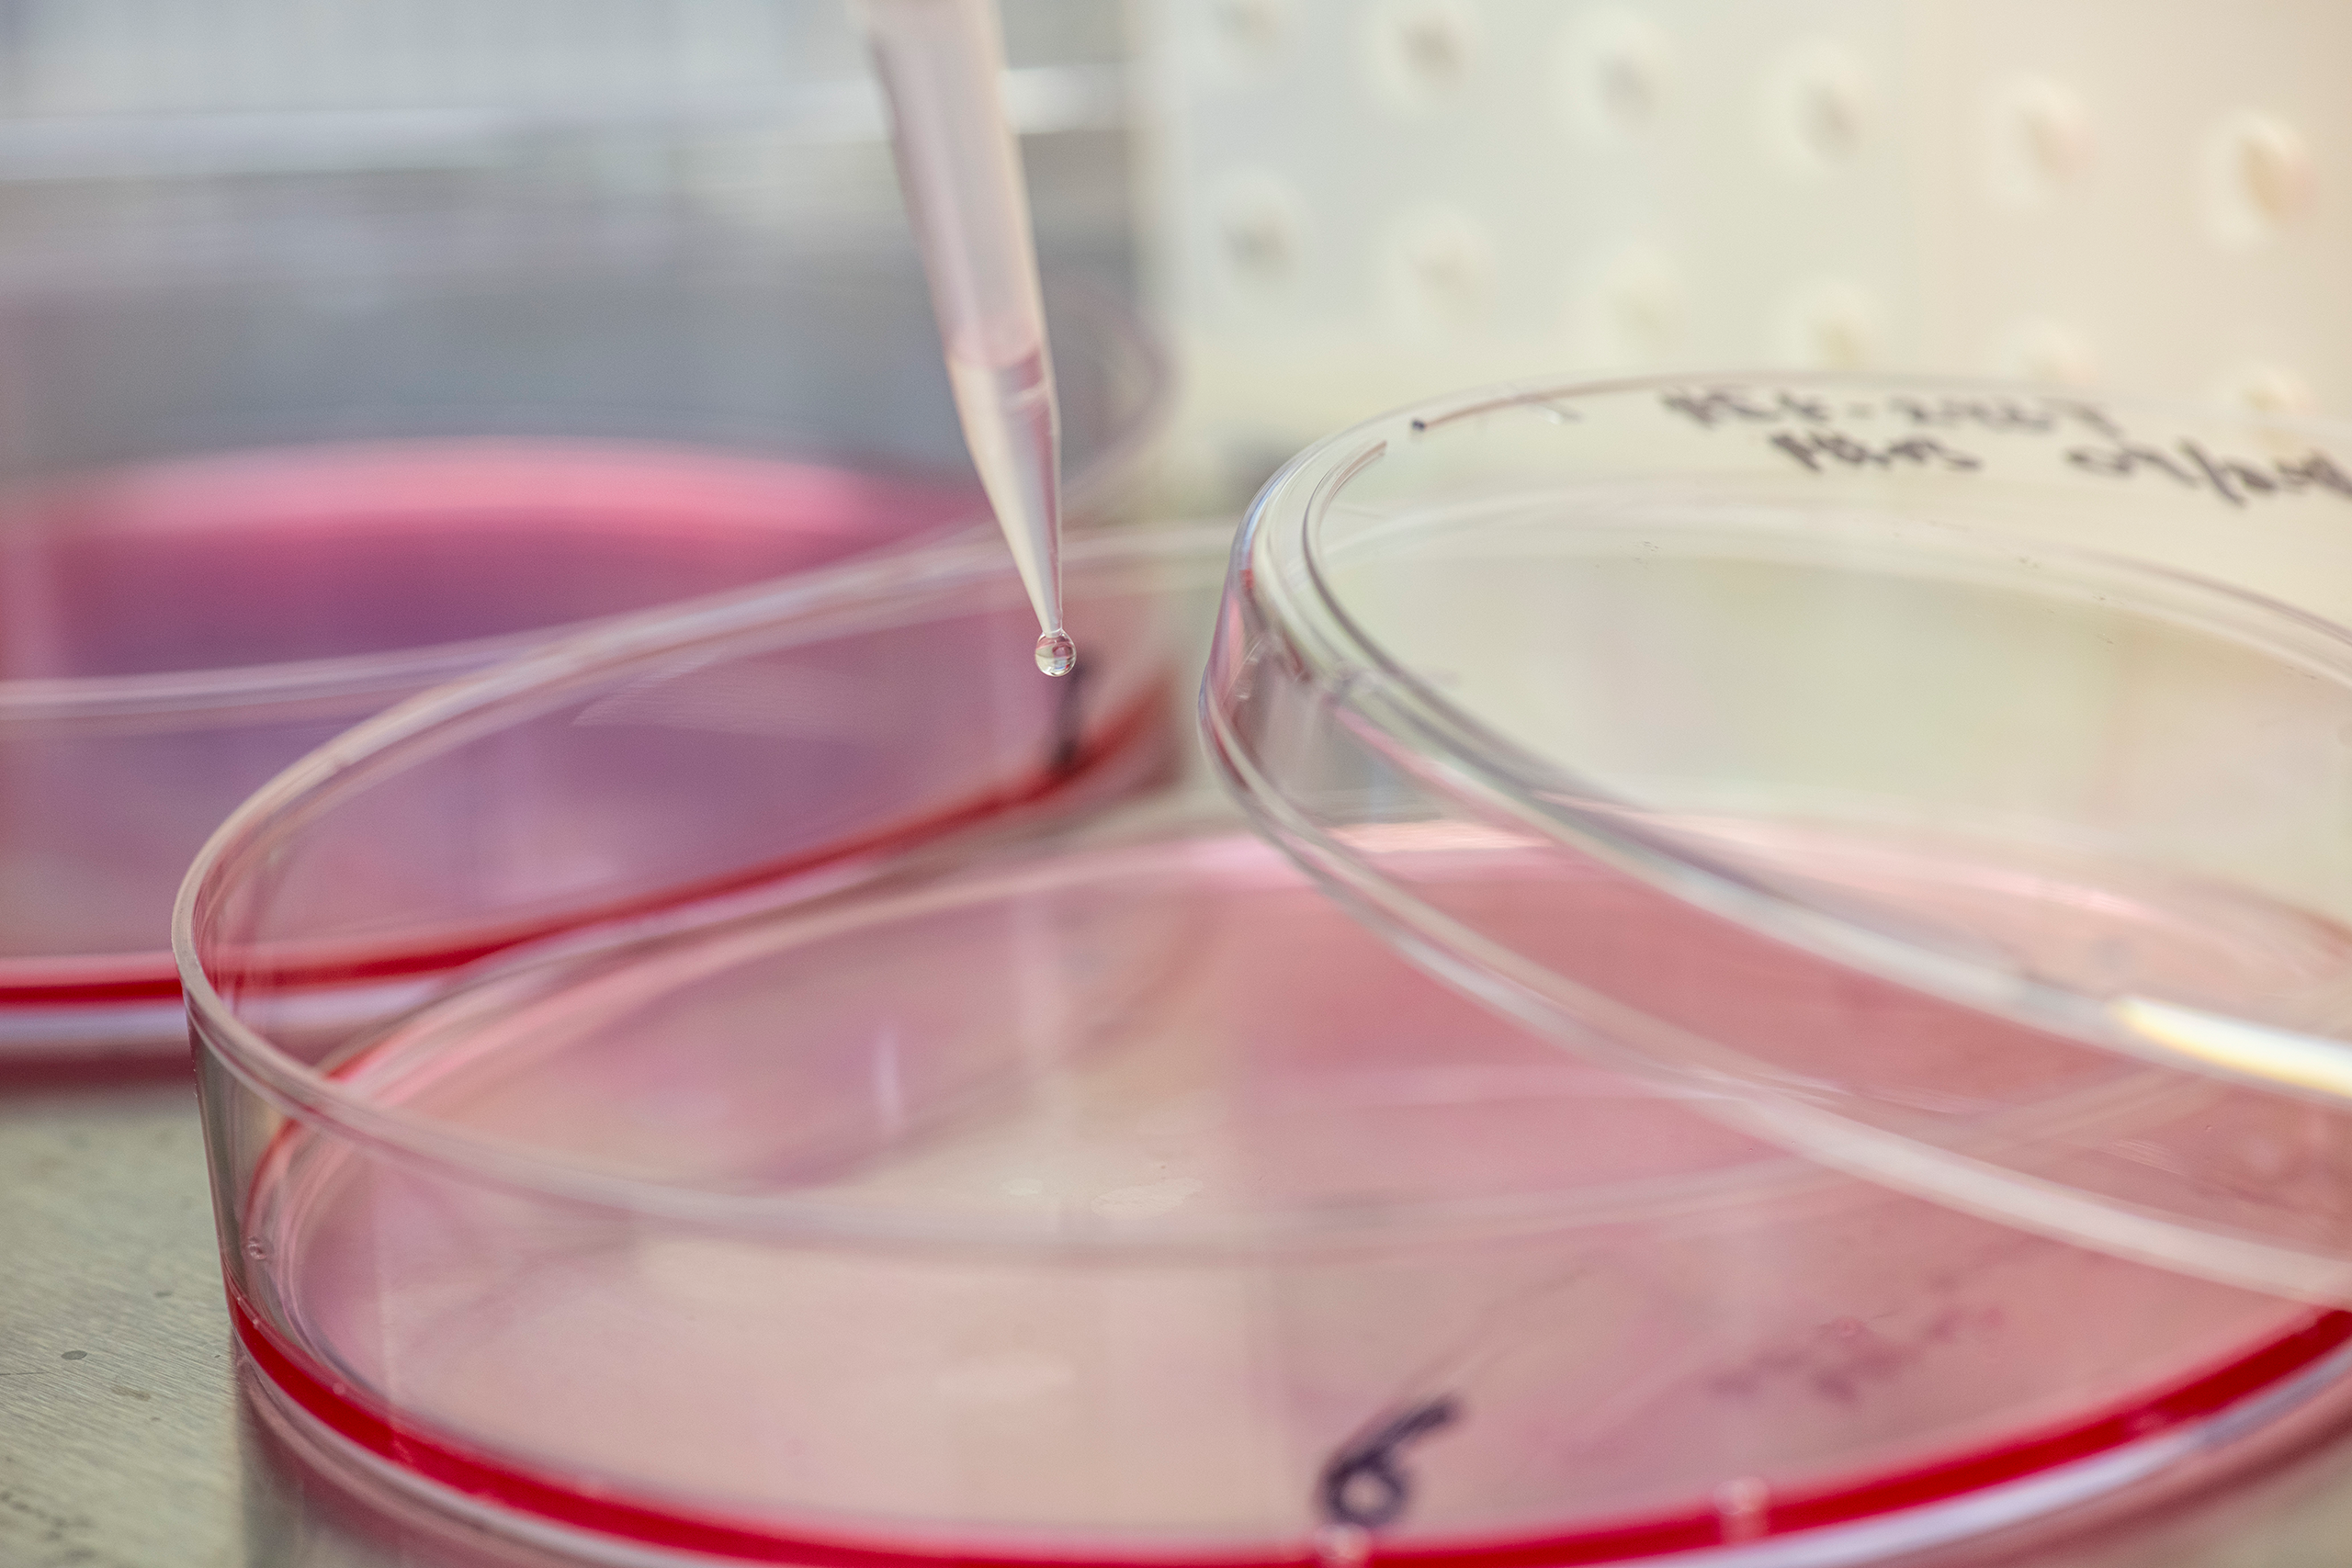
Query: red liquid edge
[(359, 1419), (144, 979), (362, 1421), (566, 486)]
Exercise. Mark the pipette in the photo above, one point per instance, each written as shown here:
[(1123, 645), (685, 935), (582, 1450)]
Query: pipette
[(940, 61)]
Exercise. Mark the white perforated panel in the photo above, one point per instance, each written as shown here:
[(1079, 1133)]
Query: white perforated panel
[(1354, 203)]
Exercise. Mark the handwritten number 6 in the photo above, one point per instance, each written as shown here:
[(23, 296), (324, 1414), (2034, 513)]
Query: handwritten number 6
[(1362, 1485)]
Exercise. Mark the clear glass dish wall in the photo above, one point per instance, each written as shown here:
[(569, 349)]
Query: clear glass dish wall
[(616, 1133)]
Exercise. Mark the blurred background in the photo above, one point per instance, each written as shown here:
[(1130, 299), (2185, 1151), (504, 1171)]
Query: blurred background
[(279, 218), (227, 223), (1352, 202)]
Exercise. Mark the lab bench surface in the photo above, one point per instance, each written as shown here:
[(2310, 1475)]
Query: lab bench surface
[(124, 1442)]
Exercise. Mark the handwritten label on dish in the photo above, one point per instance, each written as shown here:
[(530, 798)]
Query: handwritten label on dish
[(1826, 431)]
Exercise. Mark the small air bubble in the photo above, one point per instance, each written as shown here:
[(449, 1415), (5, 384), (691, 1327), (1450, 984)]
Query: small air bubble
[(1056, 655), (1743, 1507), (256, 1251), (1342, 1546)]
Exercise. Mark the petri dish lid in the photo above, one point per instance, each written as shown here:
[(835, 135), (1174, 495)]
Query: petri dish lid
[(1983, 753)]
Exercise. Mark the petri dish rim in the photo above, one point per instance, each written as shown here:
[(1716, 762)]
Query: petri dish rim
[(1414, 726), (815, 605), (1544, 792), (819, 603), (2106, 1455), (1328, 638), (2151, 1440)]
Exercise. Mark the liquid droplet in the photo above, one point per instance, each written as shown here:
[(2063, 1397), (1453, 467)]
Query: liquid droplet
[(256, 1251), (1056, 655)]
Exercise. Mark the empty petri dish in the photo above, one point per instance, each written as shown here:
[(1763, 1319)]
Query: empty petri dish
[(197, 586), (1971, 762), (1086, 1187)]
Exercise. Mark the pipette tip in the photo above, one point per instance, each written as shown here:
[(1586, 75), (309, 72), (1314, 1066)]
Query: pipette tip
[(1056, 655)]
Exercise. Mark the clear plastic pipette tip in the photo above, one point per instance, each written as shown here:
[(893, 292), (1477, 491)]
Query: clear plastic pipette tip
[(1014, 435), (1056, 655), (941, 61)]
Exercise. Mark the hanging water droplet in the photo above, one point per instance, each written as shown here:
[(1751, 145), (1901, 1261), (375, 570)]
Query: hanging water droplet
[(1056, 655)]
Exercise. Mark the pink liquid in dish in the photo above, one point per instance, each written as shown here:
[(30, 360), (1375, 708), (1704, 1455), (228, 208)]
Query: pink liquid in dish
[(173, 634), (1166, 1216)]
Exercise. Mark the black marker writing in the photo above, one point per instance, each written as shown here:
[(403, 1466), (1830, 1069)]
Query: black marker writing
[(1818, 430), (2004, 416), (1816, 448), (1362, 1485), (1991, 414), (2235, 479), (1712, 406)]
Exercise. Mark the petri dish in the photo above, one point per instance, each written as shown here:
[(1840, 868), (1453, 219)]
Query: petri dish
[(1971, 760), (1086, 1187), (220, 547)]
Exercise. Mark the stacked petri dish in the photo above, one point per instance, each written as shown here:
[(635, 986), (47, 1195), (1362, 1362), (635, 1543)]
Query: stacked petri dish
[(1741, 1003), (252, 494)]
